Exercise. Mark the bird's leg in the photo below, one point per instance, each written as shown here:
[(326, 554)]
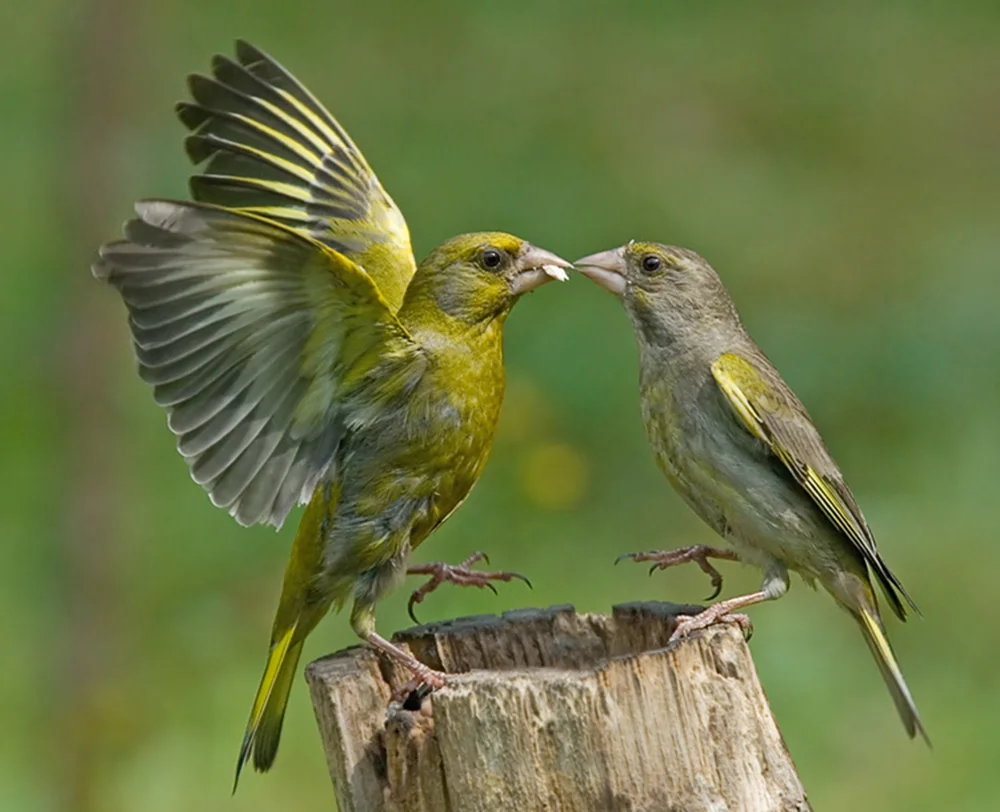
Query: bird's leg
[(422, 674), (775, 585), (363, 623), (461, 574), (699, 553)]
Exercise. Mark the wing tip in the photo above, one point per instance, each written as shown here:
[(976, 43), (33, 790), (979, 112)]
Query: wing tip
[(247, 52), (100, 268), (191, 114), (245, 518), (897, 596)]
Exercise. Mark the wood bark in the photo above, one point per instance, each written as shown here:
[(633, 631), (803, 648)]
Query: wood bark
[(556, 711)]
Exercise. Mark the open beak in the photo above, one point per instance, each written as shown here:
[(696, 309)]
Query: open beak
[(535, 267), (607, 269)]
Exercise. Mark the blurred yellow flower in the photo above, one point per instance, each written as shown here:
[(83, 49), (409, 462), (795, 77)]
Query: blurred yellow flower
[(554, 475)]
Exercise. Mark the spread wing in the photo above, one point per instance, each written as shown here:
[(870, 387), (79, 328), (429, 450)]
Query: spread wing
[(271, 149), (773, 414), (256, 341)]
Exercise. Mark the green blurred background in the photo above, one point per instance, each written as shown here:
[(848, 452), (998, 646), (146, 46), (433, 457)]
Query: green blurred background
[(839, 166)]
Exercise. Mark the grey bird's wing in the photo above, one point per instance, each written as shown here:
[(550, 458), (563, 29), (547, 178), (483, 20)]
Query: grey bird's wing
[(258, 341), (772, 413)]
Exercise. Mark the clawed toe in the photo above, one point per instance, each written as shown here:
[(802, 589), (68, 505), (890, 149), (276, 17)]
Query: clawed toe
[(460, 575), (689, 625), (699, 554), (412, 692)]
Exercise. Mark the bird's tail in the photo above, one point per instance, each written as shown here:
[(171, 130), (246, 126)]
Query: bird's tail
[(268, 712), (871, 627)]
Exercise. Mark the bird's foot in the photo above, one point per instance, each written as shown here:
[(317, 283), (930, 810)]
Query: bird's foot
[(412, 693), (726, 611), (425, 679), (461, 574), (707, 618), (698, 553)]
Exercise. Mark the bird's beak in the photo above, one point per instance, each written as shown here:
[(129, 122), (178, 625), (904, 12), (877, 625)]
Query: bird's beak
[(607, 269), (535, 267)]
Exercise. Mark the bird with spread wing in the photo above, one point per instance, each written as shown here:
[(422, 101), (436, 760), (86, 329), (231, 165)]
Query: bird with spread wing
[(303, 357)]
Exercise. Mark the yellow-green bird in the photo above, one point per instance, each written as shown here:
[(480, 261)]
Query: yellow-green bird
[(737, 445), (278, 324)]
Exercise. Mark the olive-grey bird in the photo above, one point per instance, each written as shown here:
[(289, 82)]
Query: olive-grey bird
[(738, 446)]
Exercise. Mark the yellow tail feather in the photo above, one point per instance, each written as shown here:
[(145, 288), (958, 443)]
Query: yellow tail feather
[(264, 727), (874, 634)]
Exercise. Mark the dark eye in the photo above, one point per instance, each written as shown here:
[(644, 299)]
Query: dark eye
[(491, 258), (651, 263)]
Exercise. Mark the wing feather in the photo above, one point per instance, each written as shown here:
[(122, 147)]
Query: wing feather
[(270, 148), (772, 413), (254, 338)]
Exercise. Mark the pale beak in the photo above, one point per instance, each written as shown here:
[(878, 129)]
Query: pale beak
[(535, 267), (607, 269)]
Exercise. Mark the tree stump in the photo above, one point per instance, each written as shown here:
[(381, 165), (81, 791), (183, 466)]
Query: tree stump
[(560, 712)]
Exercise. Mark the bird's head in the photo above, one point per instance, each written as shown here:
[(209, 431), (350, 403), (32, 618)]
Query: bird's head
[(665, 289), (477, 277)]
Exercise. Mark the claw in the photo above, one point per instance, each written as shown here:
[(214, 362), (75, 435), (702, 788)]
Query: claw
[(520, 577), (699, 554), (412, 694), (461, 575), (716, 577)]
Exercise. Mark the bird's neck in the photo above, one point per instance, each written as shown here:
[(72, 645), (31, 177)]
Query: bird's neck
[(433, 326), (664, 342), (689, 326)]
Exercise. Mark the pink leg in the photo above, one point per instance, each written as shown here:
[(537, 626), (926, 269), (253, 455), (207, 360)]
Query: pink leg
[(422, 674), (698, 553), (462, 575)]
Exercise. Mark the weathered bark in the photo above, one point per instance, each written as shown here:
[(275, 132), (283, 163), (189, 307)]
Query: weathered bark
[(560, 712)]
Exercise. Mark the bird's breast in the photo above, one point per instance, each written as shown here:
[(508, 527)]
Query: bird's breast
[(461, 435), (729, 478)]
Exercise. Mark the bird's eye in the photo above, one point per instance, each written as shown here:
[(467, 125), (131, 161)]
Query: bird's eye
[(651, 263), (491, 258)]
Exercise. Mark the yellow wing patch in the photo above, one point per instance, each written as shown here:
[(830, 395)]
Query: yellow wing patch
[(722, 371), (744, 388)]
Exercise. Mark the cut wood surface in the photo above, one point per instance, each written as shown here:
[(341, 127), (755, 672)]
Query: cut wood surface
[(556, 711)]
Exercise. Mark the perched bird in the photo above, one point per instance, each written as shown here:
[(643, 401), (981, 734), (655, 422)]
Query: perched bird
[(302, 359), (737, 445)]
